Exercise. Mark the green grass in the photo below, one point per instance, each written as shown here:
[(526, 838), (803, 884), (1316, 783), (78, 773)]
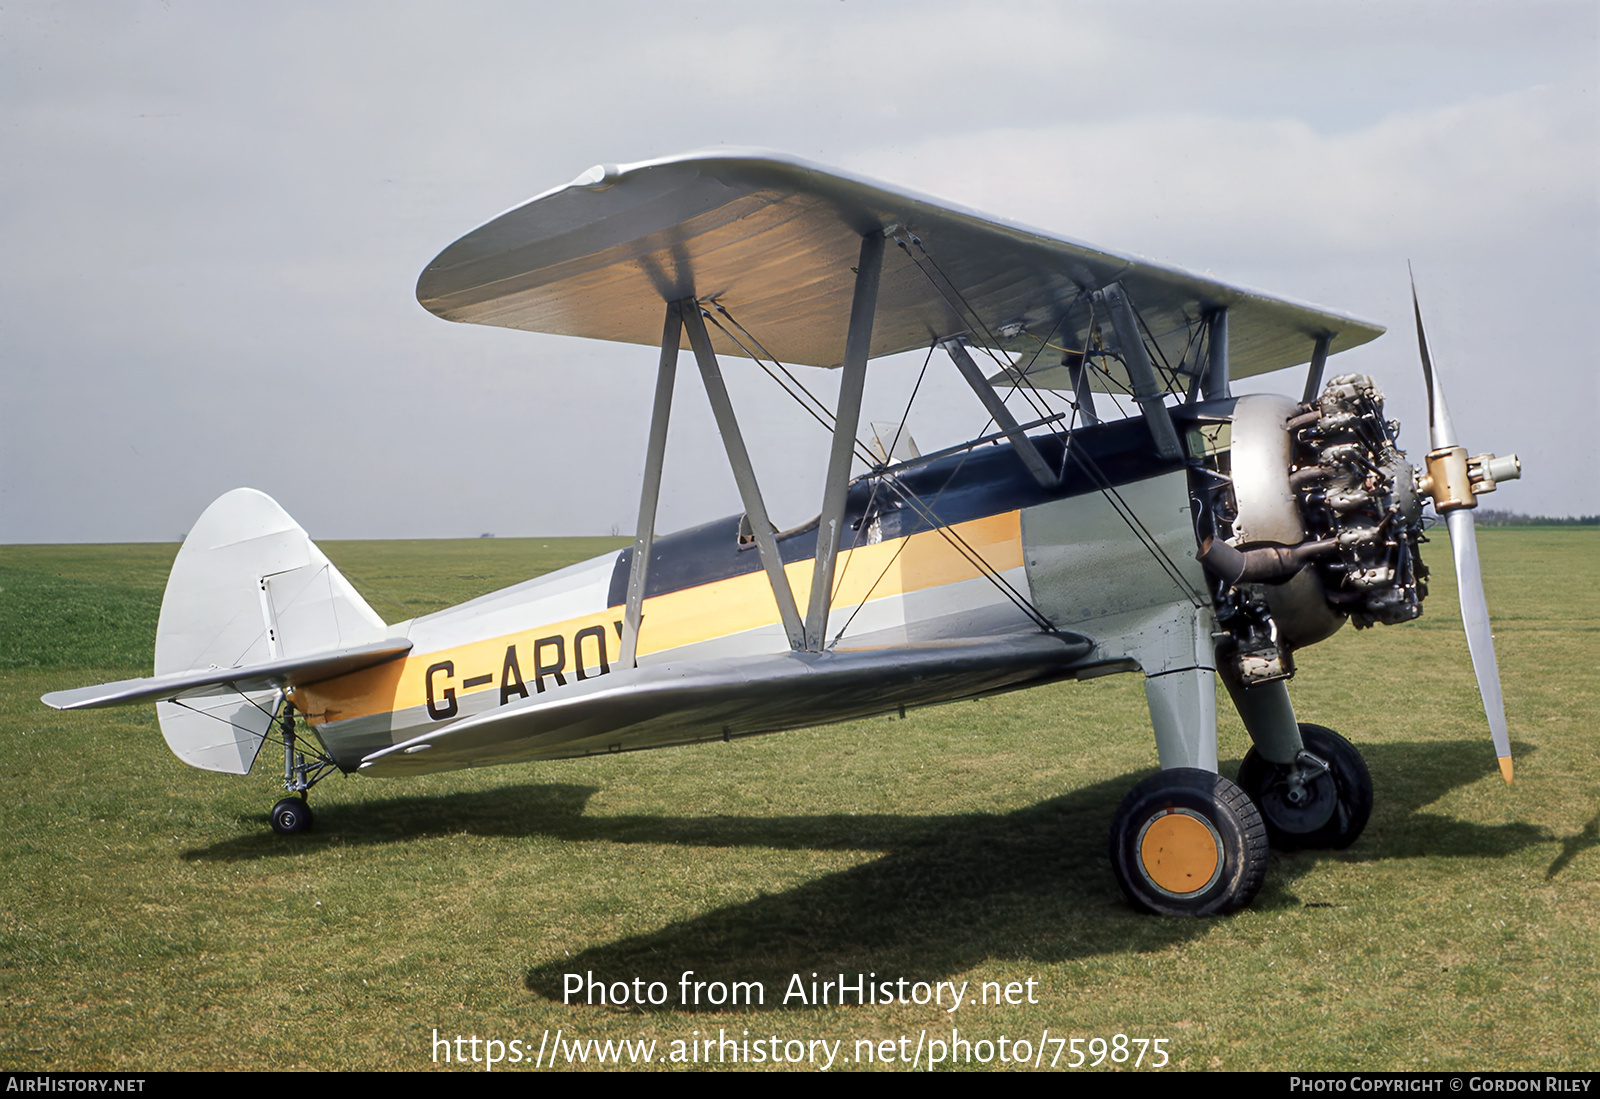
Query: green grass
[(150, 920)]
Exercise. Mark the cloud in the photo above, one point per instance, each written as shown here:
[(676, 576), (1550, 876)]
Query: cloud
[(1496, 171), (214, 217)]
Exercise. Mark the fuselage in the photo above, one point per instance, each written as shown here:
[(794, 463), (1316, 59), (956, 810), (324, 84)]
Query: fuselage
[(964, 546)]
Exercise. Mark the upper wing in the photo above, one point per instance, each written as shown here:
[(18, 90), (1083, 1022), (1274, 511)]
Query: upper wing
[(773, 240)]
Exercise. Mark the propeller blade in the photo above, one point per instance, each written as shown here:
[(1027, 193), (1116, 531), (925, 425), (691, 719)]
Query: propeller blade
[(1480, 641), (1469, 576), (1441, 431)]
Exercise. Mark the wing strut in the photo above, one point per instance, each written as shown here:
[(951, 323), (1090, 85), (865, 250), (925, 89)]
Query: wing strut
[(1077, 364), (1216, 382), (1319, 360), (650, 493), (1002, 415), (1147, 390), (857, 343), (743, 474)]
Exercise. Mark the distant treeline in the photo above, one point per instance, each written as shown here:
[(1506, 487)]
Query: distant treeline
[(1491, 518)]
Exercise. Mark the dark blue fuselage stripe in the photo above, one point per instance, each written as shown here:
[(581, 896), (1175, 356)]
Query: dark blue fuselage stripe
[(990, 480)]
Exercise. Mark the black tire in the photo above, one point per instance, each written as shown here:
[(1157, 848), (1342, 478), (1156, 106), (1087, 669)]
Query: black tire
[(290, 816), (1332, 809), (1188, 842)]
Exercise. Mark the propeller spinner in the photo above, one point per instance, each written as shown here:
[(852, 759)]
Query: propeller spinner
[(1455, 482)]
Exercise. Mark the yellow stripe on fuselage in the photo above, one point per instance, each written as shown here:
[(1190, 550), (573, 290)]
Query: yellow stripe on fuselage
[(671, 621)]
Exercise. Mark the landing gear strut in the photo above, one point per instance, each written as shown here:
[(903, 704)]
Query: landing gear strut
[(292, 814)]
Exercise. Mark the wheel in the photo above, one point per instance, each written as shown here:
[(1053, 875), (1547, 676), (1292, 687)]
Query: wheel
[(291, 815), (1303, 805), (1187, 842)]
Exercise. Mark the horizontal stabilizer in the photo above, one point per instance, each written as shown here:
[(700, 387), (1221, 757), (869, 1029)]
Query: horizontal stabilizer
[(292, 672), (680, 703)]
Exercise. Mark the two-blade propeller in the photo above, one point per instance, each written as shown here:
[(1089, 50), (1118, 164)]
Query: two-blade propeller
[(1455, 482)]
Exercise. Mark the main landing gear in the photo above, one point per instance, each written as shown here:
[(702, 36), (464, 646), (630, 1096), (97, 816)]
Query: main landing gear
[(1320, 801), (292, 815), (1188, 842)]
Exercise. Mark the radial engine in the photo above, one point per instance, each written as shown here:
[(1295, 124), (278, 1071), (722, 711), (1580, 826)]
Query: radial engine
[(1309, 517)]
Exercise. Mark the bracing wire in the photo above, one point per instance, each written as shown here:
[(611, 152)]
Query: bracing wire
[(271, 716), (1136, 525), (827, 419), (960, 305), (973, 557), (1035, 400), (872, 497), (909, 497), (770, 356)]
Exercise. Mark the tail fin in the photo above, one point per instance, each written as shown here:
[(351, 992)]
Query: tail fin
[(249, 586)]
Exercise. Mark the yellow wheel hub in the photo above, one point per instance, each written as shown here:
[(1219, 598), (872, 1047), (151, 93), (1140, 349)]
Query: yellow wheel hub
[(1180, 852)]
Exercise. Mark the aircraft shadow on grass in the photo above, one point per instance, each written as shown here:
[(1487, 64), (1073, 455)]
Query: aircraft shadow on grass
[(1572, 846), (964, 888)]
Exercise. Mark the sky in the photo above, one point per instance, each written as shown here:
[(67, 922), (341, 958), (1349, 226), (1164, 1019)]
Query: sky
[(213, 217)]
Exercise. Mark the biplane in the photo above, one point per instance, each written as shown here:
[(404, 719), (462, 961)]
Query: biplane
[(1126, 513)]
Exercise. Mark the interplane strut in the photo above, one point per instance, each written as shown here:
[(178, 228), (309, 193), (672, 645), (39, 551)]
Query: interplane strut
[(743, 473), (650, 493), (1147, 390), (831, 521)]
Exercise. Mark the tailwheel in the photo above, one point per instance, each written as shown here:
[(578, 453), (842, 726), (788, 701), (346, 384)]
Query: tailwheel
[(1188, 842), (291, 815), (1321, 800)]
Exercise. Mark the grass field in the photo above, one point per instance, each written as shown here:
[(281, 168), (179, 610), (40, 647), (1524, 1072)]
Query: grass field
[(149, 919)]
